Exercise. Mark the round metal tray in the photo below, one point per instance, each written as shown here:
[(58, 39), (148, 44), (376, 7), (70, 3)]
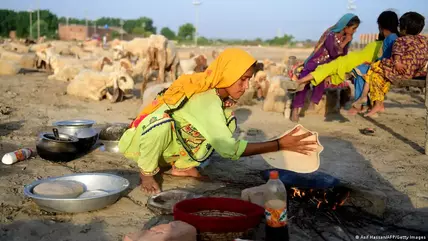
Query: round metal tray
[(113, 185)]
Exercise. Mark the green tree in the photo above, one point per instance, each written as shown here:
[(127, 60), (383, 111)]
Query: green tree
[(23, 24), (168, 33), (284, 40), (44, 29), (115, 34), (138, 31), (143, 22), (7, 22), (186, 31)]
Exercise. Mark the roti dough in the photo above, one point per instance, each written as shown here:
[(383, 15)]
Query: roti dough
[(60, 189)]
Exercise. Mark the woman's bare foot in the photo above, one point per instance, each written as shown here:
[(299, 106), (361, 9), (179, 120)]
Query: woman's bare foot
[(364, 109), (149, 184), (192, 172), (353, 111), (376, 108), (295, 115)]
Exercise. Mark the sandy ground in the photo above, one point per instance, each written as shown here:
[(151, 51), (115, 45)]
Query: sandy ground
[(391, 161)]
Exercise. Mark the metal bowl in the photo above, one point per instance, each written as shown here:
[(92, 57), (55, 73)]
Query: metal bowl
[(113, 132), (109, 146), (110, 135), (114, 185), (81, 129)]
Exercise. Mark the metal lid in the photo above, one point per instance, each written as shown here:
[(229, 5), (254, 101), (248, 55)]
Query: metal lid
[(78, 122)]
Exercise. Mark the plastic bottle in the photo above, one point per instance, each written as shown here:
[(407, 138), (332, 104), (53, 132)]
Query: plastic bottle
[(276, 209), (16, 156)]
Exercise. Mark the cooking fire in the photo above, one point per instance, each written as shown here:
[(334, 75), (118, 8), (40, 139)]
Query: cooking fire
[(328, 198)]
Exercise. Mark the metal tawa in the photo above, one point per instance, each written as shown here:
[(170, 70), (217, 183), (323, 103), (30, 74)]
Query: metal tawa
[(163, 203)]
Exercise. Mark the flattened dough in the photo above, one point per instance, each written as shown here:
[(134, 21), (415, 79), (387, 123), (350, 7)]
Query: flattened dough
[(294, 161), (60, 189)]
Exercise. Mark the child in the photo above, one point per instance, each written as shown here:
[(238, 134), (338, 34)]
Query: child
[(388, 28), (409, 58)]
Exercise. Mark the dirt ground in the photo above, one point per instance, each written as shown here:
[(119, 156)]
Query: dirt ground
[(391, 161)]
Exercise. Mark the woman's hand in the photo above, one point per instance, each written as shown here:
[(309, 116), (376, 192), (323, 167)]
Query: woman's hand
[(295, 143), (401, 68), (348, 38)]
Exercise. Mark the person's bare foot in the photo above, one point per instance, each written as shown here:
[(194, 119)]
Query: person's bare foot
[(382, 108), (295, 115), (364, 109), (373, 111), (149, 185), (192, 172), (353, 111)]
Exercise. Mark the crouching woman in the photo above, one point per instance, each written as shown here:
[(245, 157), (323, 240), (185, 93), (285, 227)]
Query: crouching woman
[(185, 124)]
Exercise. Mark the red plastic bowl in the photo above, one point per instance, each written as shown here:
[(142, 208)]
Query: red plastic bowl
[(184, 210)]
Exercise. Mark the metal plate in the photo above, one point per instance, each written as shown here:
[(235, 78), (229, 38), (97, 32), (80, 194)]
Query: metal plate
[(164, 202), (114, 185)]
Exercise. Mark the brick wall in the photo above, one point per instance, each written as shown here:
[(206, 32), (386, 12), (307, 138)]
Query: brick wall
[(72, 32), (81, 33)]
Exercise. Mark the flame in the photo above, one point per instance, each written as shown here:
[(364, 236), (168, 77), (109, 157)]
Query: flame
[(296, 192), (333, 197)]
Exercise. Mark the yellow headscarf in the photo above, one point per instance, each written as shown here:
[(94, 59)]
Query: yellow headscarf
[(223, 72)]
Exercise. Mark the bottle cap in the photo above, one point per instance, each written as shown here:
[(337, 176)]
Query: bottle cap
[(8, 159), (273, 175)]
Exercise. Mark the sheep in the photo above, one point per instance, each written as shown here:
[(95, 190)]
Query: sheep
[(261, 84), (278, 99), (39, 47), (64, 68), (80, 53), (8, 67), (94, 84), (16, 47), (136, 47), (172, 60), (195, 64), (26, 61), (156, 49), (61, 47)]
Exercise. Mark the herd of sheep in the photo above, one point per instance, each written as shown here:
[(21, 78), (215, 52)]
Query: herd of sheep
[(96, 72)]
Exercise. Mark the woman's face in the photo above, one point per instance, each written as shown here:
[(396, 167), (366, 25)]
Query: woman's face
[(350, 30), (236, 90)]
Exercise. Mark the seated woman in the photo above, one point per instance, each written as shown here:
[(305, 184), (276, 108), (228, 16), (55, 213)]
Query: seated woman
[(388, 27), (333, 43), (186, 123)]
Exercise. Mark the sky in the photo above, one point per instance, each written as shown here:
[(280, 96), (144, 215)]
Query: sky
[(232, 19)]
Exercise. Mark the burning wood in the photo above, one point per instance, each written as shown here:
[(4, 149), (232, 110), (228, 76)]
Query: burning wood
[(331, 197)]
